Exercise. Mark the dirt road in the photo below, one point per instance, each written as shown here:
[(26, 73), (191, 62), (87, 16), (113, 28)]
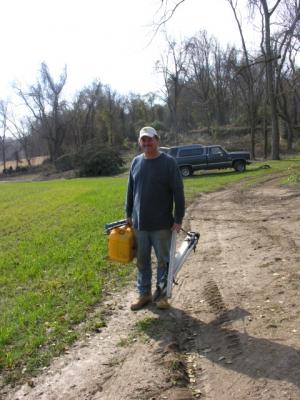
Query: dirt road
[(233, 331)]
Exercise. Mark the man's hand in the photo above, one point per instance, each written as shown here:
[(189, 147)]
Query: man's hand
[(176, 227)]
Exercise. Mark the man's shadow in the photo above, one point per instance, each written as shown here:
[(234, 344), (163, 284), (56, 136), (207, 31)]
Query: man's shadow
[(219, 342)]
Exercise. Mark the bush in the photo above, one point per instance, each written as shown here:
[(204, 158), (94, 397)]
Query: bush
[(21, 169), (66, 162), (8, 171), (91, 160), (100, 162)]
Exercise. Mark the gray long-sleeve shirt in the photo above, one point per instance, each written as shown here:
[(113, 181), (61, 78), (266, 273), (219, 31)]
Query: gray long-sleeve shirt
[(154, 187)]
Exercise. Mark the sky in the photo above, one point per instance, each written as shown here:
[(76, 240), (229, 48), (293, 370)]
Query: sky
[(109, 40)]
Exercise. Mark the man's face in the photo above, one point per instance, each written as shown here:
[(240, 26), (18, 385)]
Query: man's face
[(149, 145)]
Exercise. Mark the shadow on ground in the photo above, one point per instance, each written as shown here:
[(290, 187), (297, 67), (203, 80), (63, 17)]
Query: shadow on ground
[(217, 341)]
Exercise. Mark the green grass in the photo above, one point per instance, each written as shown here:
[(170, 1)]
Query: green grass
[(142, 328), (206, 181), (53, 257), (144, 325), (53, 263)]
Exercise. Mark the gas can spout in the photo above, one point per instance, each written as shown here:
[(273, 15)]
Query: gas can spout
[(115, 224)]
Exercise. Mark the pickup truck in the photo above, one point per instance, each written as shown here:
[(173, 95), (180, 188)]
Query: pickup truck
[(195, 157)]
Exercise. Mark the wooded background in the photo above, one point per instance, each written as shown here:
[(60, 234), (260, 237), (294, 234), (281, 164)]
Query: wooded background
[(209, 92)]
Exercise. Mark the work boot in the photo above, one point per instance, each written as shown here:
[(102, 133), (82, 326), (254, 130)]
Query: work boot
[(142, 301), (163, 303)]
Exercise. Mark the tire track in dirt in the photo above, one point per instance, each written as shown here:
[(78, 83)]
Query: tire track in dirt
[(248, 268)]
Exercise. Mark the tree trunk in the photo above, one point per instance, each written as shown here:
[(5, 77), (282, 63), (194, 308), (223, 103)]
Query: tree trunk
[(270, 83), (289, 127), (275, 126), (252, 134), (3, 154), (265, 130)]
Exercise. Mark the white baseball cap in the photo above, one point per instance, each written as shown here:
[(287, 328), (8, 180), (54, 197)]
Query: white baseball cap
[(148, 131)]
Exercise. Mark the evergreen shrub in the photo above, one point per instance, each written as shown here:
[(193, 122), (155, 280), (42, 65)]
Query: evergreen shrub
[(104, 161)]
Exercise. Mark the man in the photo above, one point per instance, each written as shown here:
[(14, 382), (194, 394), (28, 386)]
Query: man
[(154, 187)]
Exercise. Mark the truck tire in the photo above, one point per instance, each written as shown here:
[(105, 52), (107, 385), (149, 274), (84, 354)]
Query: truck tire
[(239, 166), (186, 171)]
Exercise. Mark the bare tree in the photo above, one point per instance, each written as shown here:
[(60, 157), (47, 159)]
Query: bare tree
[(83, 124), (44, 101), (199, 77), (108, 114), (221, 79), (272, 53), (4, 129), (286, 44), (246, 73), (20, 130), (172, 65), (279, 25), (292, 94), (166, 12)]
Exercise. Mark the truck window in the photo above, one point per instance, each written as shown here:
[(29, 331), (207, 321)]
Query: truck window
[(215, 151), (191, 152)]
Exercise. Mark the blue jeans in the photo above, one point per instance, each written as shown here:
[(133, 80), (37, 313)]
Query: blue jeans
[(161, 242)]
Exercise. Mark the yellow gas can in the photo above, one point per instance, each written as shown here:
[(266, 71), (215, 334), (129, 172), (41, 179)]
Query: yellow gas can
[(121, 244)]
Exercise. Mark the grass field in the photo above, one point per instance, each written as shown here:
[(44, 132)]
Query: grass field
[(53, 262)]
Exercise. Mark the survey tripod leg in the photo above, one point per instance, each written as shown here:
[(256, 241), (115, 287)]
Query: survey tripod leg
[(176, 261), (177, 258), (171, 268)]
